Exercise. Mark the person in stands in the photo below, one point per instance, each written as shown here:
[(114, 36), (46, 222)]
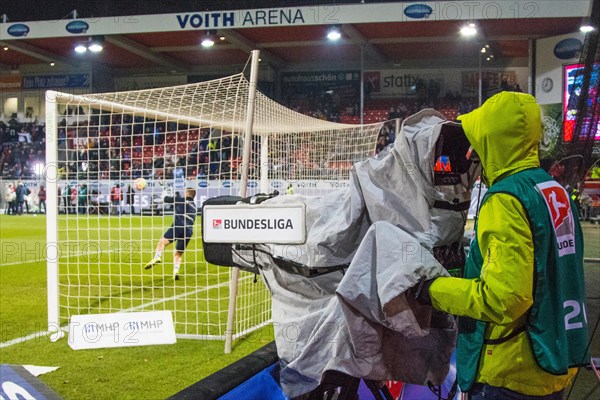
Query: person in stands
[(116, 196), (20, 193), (42, 199), (10, 197)]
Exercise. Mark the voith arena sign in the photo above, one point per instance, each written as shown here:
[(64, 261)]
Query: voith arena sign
[(242, 18), (263, 223)]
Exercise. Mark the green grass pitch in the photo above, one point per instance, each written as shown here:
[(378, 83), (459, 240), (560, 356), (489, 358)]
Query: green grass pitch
[(104, 255), (150, 372), (101, 270)]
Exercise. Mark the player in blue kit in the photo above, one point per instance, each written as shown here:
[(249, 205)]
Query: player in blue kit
[(181, 229)]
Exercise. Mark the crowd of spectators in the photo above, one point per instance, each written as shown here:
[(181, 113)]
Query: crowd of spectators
[(19, 199), (95, 147), (22, 147), (116, 147), (451, 107), (133, 149)]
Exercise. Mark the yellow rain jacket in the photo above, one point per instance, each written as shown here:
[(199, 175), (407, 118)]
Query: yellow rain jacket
[(505, 133)]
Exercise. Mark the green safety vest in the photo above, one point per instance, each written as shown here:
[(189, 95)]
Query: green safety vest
[(556, 323)]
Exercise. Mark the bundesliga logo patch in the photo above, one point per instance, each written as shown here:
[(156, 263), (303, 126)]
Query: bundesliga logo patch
[(217, 223), (559, 208)]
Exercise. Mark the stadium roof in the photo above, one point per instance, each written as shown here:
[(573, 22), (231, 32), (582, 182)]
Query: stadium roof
[(136, 44)]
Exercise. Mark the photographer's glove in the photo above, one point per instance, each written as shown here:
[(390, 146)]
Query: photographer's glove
[(421, 291)]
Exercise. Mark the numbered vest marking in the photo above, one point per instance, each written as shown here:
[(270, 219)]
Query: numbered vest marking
[(572, 316)]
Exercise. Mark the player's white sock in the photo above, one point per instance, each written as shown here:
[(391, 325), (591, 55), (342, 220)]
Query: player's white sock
[(158, 254), (176, 269)]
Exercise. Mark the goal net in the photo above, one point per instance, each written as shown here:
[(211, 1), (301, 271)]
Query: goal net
[(104, 226)]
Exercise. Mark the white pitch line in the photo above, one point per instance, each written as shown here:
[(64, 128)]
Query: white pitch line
[(23, 339), (140, 307), (152, 303)]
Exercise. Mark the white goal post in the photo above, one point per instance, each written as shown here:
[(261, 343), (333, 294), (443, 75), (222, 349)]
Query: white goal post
[(102, 229)]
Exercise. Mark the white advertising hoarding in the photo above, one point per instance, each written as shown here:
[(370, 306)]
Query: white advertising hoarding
[(328, 14)]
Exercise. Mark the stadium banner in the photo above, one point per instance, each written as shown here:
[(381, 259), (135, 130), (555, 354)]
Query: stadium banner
[(406, 83), (150, 199), (259, 223), (57, 81), (552, 122), (328, 87), (18, 383), (492, 81), (96, 331), (428, 83), (10, 83), (295, 16)]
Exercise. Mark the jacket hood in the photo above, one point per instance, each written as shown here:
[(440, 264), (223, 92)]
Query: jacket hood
[(505, 132)]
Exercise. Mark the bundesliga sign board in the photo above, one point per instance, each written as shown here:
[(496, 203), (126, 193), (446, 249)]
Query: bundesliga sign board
[(262, 223)]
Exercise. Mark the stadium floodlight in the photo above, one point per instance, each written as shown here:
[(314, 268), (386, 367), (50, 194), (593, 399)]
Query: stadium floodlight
[(80, 48), (207, 42), (334, 34), (585, 28), (95, 48), (469, 30), (163, 137), (93, 44)]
